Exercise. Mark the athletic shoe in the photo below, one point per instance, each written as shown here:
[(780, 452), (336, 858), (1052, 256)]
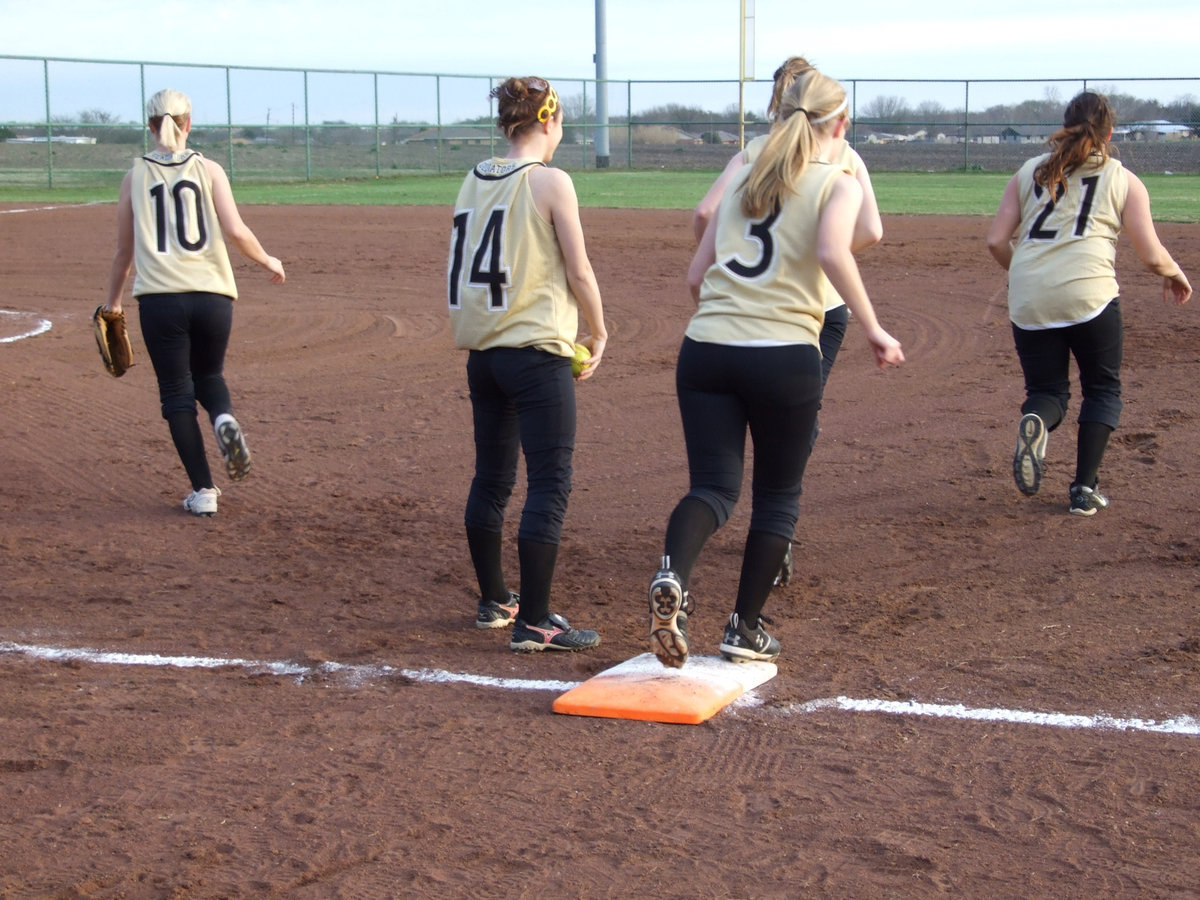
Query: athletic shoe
[(202, 502), (498, 615), (1085, 501), (552, 633), (233, 447), (1031, 450), (784, 575), (669, 609), (744, 644)]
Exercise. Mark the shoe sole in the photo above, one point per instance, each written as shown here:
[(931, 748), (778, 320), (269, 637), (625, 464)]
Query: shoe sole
[(205, 515), (235, 451), (1027, 463), (536, 646), (1090, 511), (666, 639), (741, 655), (499, 622)]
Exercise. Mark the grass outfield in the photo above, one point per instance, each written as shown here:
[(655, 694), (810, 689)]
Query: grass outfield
[(1174, 198)]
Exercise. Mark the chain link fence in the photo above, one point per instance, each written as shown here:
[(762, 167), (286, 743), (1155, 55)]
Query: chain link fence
[(68, 122)]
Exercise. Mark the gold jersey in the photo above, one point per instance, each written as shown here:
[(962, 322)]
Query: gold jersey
[(767, 285), (846, 158), (178, 242), (506, 277), (1063, 268)]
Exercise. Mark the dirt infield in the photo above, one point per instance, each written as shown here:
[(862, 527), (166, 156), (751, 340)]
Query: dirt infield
[(402, 752)]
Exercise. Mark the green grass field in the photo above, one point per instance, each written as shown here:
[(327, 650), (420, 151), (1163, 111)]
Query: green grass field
[(1175, 198)]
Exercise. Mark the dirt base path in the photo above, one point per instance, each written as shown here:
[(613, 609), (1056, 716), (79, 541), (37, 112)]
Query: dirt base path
[(923, 577)]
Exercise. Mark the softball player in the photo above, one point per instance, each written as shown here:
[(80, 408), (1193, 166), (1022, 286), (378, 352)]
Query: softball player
[(868, 230), (518, 275), (1056, 234), (783, 232), (175, 212)]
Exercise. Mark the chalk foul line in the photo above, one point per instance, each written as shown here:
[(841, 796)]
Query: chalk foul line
[(358, 674), (40, 326)]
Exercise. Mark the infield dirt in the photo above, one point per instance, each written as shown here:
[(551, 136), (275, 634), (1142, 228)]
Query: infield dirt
[(922, 574)]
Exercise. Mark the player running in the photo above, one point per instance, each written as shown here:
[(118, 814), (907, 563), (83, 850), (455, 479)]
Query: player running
[(1056, 234), (783, 232), (174, 214)]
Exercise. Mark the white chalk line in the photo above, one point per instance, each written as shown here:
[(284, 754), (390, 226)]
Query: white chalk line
[(354, 674), (59, 206), (358, 675), (41, 327)]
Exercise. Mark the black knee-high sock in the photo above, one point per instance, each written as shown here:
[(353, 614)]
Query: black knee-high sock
[(189, 444), (537, 573), (691, 524), (1093, 440), (760, 562), (485, 557)]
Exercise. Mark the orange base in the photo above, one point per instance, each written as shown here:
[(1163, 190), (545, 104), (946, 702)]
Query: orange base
[(642, 688)]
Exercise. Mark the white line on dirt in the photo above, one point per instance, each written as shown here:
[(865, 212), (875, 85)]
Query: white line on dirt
[(48, 208), (1181, 725), (40, 327), (300, 671), (1186, 725)]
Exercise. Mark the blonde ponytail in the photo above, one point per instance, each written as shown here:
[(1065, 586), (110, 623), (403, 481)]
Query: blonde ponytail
[(168, 112), (810, 103)]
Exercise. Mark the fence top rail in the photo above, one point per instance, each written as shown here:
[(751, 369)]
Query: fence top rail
[(403, 73)]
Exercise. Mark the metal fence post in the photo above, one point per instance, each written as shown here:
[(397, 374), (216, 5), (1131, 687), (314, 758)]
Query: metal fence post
[(307, 134), (966, 126), (49, 130), (229, 122)]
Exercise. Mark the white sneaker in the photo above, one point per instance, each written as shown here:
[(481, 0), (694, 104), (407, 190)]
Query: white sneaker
[(202, 502), (233, 446)]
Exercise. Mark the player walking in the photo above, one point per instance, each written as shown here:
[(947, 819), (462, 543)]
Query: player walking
[(868, 230), (174, 214), (783, 232), (1056, 234), (518, 276)]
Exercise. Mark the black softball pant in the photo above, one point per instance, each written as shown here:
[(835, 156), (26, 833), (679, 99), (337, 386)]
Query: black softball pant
[(1045, 356), (522, 399), (186, 337), (772, 391)]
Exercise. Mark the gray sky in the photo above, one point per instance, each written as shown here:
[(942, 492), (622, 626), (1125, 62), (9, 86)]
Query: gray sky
[(646, 39)]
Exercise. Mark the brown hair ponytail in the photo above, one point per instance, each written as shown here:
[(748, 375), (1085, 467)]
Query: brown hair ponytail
[(1087, 124)]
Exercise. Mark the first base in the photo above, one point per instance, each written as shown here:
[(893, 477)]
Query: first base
[(643, 688)]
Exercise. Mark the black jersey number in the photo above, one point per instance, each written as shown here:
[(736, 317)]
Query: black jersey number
[(1038, 232), (183, 208), (487, 262), (761, 232)]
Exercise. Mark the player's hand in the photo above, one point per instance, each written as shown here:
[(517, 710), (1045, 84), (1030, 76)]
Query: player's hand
[(887, 349), (275, 267), (596, 346), (1176, 288)]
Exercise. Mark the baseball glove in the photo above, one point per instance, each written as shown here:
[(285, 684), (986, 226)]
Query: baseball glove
[(112, 339)]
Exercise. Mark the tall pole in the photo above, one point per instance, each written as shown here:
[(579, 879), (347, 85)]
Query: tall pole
[(745, 64), (601, 59)]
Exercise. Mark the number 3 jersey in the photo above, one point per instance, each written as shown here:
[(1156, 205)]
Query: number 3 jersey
[(507, 280), (178, 243), (1063, 269), (766, 286)]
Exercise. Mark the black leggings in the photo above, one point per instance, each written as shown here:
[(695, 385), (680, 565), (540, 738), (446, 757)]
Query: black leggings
[(186, 336), (774, 392)]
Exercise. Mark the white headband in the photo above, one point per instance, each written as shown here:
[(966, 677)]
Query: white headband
[(833, 115)]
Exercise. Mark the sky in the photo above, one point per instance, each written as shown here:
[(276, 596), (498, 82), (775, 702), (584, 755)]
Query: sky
[(688, 40)]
